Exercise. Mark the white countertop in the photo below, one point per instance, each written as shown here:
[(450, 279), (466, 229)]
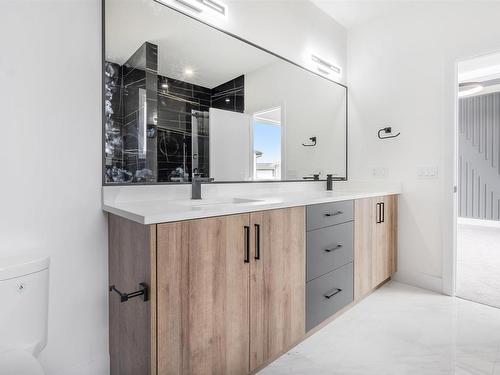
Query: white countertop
[(152, 208)]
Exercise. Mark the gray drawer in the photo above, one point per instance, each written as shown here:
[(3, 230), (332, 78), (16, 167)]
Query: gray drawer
[(326, 214), (318, 306), (329, 248)]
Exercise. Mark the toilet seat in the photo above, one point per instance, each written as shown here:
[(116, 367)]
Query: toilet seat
[(19, 362)]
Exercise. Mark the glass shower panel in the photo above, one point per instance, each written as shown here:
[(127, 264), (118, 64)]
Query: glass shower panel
[(200, 143)]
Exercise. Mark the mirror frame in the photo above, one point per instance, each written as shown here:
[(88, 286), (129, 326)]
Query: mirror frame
[(103, 78)]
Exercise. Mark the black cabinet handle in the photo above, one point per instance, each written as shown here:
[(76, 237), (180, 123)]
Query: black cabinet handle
[(329, 214), (382, 219), (257, 241), (331, 294), (247, 244), (334, 248)]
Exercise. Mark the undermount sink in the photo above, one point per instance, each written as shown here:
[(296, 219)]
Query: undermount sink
[(209, 202)]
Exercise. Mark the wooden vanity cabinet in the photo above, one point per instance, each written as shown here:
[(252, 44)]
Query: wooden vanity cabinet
[(228, 294), (375, 244)]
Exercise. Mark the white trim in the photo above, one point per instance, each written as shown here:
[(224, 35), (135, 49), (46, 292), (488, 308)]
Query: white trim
[(449, 242), (478, 222), (420, 280)]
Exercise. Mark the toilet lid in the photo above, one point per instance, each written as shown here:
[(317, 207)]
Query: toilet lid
[(19, 362)]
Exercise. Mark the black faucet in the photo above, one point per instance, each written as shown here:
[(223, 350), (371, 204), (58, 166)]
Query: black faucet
[(329, 182), (196, 185)]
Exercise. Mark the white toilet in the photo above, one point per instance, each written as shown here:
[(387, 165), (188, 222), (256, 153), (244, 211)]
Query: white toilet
[(24, 287)]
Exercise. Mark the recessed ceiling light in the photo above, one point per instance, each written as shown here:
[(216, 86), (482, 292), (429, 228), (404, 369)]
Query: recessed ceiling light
[(228, 100), (188, 71), (164, 86)]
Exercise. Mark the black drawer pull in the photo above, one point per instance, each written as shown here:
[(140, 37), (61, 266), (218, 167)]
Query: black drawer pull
[(330, 214), (257, 241), (333, 249), (247, 244), (330, 295)]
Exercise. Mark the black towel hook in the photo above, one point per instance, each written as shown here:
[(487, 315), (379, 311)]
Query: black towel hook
[(387, 130)]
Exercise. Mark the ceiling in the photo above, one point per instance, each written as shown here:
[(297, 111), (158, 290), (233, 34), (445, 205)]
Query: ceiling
[(183, 43), (481, 68), (271, 116), (354, 13)]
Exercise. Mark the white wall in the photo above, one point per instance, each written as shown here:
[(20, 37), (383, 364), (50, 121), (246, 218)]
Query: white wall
[(51, 150), (293, 29), (402, 73), (311, 106)]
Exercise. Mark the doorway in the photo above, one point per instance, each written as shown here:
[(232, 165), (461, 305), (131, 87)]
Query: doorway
[(478, 180), (267, 150)]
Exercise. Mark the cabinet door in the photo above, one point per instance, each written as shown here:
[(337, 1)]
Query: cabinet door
[(277, 282), (375, 242), (364, 228), (203, 296), (384, 239), (391, 216)]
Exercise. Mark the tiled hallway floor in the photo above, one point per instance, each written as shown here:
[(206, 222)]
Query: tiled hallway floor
[(478, 261), (401, 330)]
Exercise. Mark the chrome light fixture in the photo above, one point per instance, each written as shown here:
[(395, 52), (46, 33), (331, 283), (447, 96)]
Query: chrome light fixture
[(324, 66), (198, 6), (216, 6)]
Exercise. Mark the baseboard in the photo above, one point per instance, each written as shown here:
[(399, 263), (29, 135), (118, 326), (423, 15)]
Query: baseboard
[(419, 279), (96, 366)]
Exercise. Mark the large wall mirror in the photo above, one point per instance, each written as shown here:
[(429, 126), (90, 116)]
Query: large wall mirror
[(184, 98)]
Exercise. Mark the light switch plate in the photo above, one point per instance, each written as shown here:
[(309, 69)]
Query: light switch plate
[(427, 173), (380, 172)]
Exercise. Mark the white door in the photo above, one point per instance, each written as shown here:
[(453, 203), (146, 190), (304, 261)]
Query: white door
[(230, 148)]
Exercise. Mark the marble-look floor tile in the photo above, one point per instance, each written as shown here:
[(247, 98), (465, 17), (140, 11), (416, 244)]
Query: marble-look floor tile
[(293, 363), (400, 330)]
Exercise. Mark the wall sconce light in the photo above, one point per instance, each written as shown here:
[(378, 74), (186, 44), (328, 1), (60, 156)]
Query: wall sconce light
[(324, 66), (198, 7)]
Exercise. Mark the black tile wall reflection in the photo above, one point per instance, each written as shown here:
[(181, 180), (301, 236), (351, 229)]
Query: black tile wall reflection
[(181, 124), (130, 112), (177, 102), (113, 123), (230, 95)]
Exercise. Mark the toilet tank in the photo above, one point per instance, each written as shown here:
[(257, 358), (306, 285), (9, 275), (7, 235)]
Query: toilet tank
[(24, 289)]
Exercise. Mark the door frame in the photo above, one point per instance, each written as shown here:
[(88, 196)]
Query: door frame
[(282, 107), (449, 266)]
